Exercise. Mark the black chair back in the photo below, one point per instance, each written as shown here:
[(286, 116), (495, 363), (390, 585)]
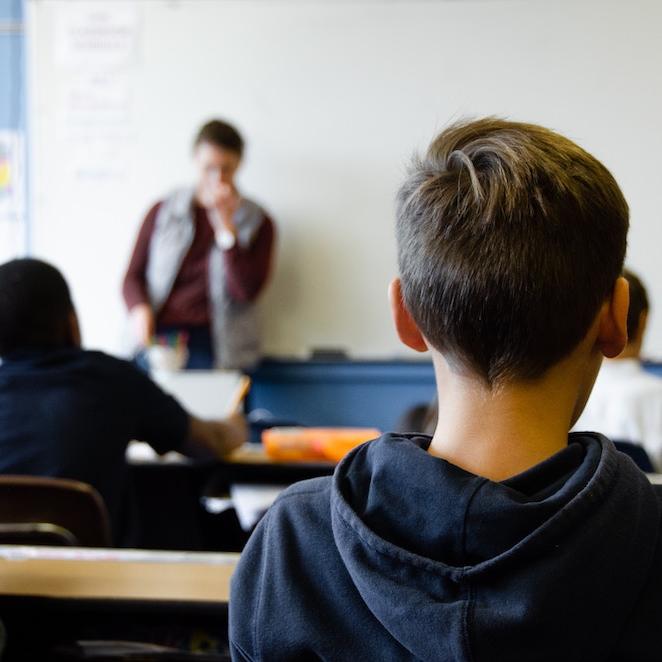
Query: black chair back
[(52, 511)]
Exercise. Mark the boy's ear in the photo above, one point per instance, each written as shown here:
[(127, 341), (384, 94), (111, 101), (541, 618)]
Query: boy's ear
[(613, 330), (405, 326)]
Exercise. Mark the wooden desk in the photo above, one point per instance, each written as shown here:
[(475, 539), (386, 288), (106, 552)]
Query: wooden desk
[(247, 455), (52, 597), (250, 464), (255, 455), (166, 496), (76, 573)]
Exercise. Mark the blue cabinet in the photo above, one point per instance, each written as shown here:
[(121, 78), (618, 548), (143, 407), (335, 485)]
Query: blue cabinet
[(340, 393)]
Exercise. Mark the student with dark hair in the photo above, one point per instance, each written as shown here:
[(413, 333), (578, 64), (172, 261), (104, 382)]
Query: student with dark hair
[(500, 537), (626, 401), (202, 257), (70, 413)]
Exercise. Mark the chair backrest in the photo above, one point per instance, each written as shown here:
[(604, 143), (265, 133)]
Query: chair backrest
[(36, 533), (637, 453), (39, 510)]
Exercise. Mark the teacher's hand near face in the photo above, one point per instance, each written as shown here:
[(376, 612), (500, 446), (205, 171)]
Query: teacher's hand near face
[(222, 201)]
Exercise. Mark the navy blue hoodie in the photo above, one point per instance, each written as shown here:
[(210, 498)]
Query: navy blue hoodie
[(404, 556)]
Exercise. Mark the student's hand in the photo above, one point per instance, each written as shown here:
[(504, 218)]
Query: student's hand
[(142, 320), (236, 431), (216, 438)]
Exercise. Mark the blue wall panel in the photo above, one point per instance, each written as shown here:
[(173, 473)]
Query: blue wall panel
[(342, 393)]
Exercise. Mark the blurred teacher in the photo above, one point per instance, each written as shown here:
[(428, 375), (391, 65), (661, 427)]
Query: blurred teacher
[(202, 257)]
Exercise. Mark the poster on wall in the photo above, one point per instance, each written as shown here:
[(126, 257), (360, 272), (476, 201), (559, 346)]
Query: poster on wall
[(11, 176), (95, 47)]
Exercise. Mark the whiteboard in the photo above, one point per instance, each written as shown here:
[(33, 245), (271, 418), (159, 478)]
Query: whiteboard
[(332, 97)]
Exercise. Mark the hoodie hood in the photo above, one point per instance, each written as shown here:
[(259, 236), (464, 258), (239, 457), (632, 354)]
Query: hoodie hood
[(558, 553)]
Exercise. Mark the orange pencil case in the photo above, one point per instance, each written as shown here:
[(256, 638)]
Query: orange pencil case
[(314, 443)]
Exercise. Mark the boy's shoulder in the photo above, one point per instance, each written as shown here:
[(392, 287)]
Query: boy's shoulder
[(68, 359), (291, 565), (640, 635), (297, 525), (303, 501), (102, 358), (110, 366), (99, 372)]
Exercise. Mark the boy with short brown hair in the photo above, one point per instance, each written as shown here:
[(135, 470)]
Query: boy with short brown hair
[(501, 537)]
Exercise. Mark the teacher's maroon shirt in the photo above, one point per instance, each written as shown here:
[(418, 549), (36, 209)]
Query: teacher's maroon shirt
[(246, 271)]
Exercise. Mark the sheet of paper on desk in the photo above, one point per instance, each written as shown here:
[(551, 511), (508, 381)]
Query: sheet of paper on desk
[(139, 451), (252, 501), (207, 394), (204, 393)]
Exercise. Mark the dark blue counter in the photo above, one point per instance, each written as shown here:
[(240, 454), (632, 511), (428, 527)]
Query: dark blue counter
[(653, 367), (346, 393), (340, 393)]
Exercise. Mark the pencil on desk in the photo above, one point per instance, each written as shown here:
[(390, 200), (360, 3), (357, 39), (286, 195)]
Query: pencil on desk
[(240, 393)]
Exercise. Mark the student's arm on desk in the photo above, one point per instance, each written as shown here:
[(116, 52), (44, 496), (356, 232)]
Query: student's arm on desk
[(166, 426), (215, 438), (218, 438)]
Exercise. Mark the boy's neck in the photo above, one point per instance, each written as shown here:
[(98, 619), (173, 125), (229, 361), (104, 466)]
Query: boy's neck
[(500, 432)]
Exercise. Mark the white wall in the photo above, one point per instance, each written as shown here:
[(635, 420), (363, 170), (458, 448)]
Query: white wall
[(332, 97)]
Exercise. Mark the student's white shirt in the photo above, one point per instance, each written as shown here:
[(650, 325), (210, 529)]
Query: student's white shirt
[(626, 405)]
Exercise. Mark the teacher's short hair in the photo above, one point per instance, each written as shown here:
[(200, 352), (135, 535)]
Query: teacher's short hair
[(35, 304), (220, 134), (510, 238)]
